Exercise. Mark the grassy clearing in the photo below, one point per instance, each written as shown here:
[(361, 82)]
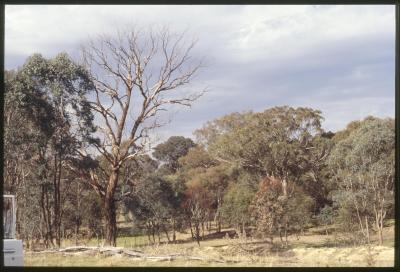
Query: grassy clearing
[(309, 249), (131, 242), (318, 257)]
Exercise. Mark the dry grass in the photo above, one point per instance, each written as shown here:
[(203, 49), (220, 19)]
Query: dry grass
[(308, 250), (354, 256)]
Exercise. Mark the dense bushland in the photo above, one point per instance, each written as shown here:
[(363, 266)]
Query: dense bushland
[(270, 174)]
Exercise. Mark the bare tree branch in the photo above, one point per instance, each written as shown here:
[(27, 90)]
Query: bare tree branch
[(129, 101)]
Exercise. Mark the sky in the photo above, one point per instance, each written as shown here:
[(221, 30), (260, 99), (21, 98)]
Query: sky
[(338, 59)]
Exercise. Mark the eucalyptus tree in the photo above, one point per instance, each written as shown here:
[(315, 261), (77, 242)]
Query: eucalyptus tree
[(138, 74), (171, 150), (236, 204), (201, 173), (197, 206), (362, 163), (283, 142), (151, 204), (276, 212), (50, 94), (20, 140)]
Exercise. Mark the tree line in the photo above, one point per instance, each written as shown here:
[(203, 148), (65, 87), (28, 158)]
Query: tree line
[(78, 153)]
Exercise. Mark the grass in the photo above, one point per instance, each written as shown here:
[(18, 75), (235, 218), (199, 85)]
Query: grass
[(133, 241), (125, 241), (310, 249)]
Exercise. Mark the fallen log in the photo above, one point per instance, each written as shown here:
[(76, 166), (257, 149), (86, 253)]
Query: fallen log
[(181, 256), (73, 253), (77, 248), (133, 253), (160, 258), (111, 251)]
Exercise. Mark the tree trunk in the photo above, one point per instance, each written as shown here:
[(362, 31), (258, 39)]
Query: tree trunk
[(286, 233), (284, 187), (166, 233), (280, 235), (380, 236), (237, 229), (110, 209), (111, 221), (153, 231), (219, 200), (367, 229), (45, 206), (191, 229), (76, 234), (379, 224), (148, 231), (173, 231), (197, 229), (77, 214), (57, 198), (158, 234)]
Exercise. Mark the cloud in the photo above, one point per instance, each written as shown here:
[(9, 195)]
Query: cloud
[(327, 57)]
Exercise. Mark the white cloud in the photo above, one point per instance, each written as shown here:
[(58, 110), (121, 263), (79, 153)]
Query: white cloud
[(328, 57)]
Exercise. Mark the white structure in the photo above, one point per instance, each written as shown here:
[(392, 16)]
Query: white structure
[(12, 248)]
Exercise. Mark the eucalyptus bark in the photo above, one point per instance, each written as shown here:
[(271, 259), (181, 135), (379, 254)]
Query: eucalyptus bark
[(166, 233), (110, 209), (173, 230), (126, 58)]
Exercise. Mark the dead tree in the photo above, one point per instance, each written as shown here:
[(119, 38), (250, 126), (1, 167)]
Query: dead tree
[(137, 74)]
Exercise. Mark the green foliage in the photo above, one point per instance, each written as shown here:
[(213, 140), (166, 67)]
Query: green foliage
[(173, 149), (346, 177), (197, 205), (236, 204), (282, 141), (83, 208), (47, 120), (151, 200), (345, 211), (298, 210), (326, 215), (266, 209), (275, 212), (267, 142), (363, 167), (196, 157)]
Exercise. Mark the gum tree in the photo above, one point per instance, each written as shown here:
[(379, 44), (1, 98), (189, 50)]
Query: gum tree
[(138, 74), (47, 120), (363, 166)]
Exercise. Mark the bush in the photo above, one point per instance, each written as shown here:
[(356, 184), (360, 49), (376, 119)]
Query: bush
[(236, 205), (277, 213)]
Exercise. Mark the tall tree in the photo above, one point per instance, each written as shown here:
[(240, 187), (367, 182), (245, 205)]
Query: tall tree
[(21, 138), (235, 207), (363, 165), (50, 94), (278, 212), (278, 142), (151, 204), (137, 75)]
